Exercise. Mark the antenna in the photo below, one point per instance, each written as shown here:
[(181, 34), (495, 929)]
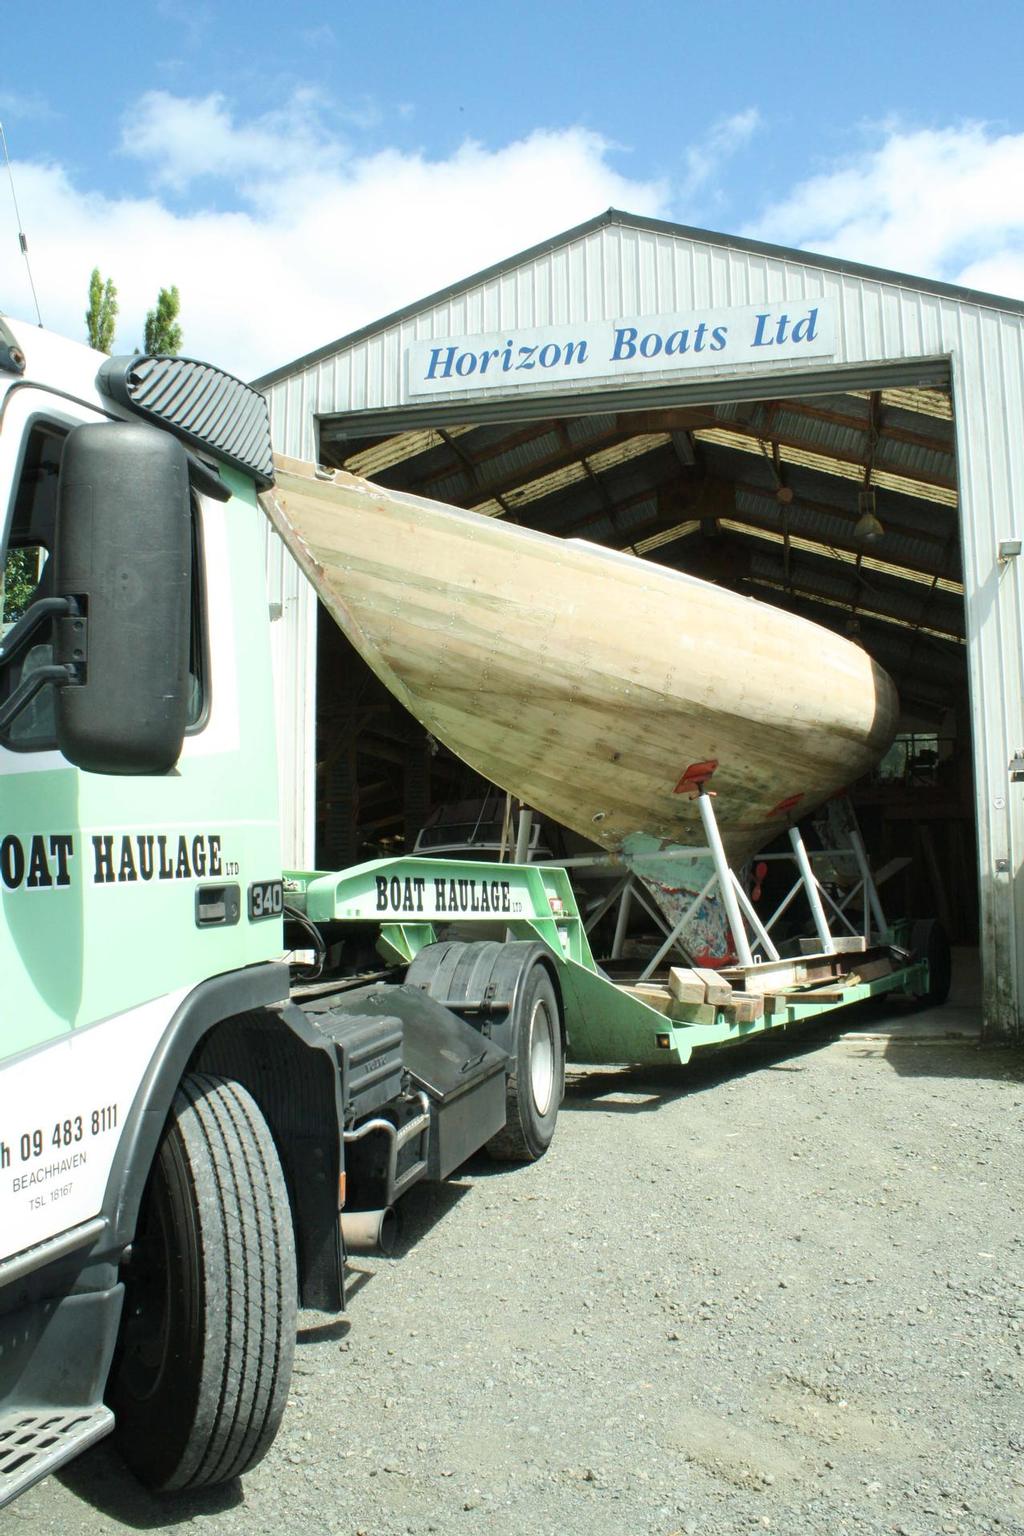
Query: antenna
[(22, 241)]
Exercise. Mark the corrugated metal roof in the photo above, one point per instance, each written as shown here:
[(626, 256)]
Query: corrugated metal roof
[(922, 402), (846, 557), (906, 485), (598, 463), (771, 582), (666, 536), (372, 462), (919, 547)]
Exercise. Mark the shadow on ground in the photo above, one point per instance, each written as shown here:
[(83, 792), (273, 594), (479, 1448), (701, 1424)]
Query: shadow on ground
[(950, 1058), (646, 1089), (101, 1479), (420, 1210)]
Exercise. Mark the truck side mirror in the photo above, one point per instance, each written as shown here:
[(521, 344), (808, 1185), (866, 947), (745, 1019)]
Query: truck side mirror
[(124, 552)]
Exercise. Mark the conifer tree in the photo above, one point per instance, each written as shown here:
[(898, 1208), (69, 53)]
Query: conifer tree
[(102, 312), (163, 333)]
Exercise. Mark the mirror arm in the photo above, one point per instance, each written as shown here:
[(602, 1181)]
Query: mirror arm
[(18, 637), (62, 675)]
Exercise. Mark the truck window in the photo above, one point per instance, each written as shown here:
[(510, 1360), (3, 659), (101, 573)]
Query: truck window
[(26, 576), (22, 574)]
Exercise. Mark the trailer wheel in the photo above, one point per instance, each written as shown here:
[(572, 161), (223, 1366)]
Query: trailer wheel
[(535, 1084), (928, 941), (204, 1360)]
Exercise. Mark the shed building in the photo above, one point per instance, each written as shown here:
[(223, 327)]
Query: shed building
[(841, 440)]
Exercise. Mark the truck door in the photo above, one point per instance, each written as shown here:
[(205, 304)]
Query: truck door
[(79, 1015)]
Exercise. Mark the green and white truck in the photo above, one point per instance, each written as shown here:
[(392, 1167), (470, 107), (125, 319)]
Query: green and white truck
[(192, 1133)]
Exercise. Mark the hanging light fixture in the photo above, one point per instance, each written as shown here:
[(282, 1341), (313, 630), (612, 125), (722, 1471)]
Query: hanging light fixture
[(868, 526)]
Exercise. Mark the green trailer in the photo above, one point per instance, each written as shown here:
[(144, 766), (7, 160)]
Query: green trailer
[(434, 916)]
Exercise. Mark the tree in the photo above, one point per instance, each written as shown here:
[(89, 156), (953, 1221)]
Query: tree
[(163, 333), (102, 312), (17, 583)]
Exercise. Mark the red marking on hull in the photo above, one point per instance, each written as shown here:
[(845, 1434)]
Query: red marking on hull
[(694, 776)]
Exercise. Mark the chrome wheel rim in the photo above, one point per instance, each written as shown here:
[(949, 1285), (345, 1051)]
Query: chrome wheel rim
[(542, 1055)]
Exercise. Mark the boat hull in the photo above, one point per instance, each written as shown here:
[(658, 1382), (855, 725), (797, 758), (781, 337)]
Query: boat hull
[(586, 682)]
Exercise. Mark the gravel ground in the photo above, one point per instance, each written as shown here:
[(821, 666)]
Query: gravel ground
[(782, 1291)]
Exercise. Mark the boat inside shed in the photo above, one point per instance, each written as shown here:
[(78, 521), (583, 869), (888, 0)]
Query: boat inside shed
[(842, 508)]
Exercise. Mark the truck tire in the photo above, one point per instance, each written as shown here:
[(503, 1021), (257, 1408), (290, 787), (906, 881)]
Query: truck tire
[(204, 1360), (928, 941), (534, 1088)]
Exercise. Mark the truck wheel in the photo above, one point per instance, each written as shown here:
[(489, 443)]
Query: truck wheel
[(205, 1355), (928, 941), (535, 1084)]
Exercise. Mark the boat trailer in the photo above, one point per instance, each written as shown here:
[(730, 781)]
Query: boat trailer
[(655, 1012)]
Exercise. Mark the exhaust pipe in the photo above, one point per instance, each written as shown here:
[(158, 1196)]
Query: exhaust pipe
[(369, 1231)]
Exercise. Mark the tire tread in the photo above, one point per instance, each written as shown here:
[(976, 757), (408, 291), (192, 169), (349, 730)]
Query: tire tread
[(223, 1150)]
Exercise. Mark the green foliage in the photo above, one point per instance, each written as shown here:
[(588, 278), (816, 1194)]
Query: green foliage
[(163, 333), (17, 584), (102, 312)]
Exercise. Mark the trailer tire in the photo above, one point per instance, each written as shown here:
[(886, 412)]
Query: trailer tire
[(204, 1361), (535, 1084), (928, 941)]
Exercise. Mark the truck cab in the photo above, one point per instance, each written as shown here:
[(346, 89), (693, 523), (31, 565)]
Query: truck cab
[(182, 1125)]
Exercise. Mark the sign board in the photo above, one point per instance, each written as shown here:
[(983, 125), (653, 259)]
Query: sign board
[(559, 356)]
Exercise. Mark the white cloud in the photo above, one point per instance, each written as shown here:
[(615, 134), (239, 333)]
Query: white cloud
[(184, 140), (945, 203), (709, 155), (1002, 272), (320, 240)]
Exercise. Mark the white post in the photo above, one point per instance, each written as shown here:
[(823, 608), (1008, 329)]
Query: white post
[(725, 886), (622, 919), (755, 922), (871, 897), (811, 891), (523, 835), (607, 903)]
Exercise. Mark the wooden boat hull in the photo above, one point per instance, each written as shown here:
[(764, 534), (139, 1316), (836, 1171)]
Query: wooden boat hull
[(584, 681)]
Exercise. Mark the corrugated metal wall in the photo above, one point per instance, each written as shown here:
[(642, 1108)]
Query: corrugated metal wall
[(618, 270)]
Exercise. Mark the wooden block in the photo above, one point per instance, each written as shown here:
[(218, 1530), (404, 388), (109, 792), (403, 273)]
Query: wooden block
[(693, 1013), (872, 969), (685, 985), (654, 996), (716, 989), (746, 1007), (843, 944), (816, 994)]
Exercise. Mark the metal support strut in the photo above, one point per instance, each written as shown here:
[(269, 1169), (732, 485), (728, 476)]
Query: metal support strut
[(749, 931), (726, 886), (812, 892)]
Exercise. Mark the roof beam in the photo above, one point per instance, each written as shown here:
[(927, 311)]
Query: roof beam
[(849, 544), (865, 606)]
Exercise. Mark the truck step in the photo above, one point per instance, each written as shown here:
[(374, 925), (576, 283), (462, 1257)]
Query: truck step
[(35, 1442), (419, 1127)]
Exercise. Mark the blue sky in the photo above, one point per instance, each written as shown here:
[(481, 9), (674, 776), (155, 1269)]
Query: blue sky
[(301, 170)]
